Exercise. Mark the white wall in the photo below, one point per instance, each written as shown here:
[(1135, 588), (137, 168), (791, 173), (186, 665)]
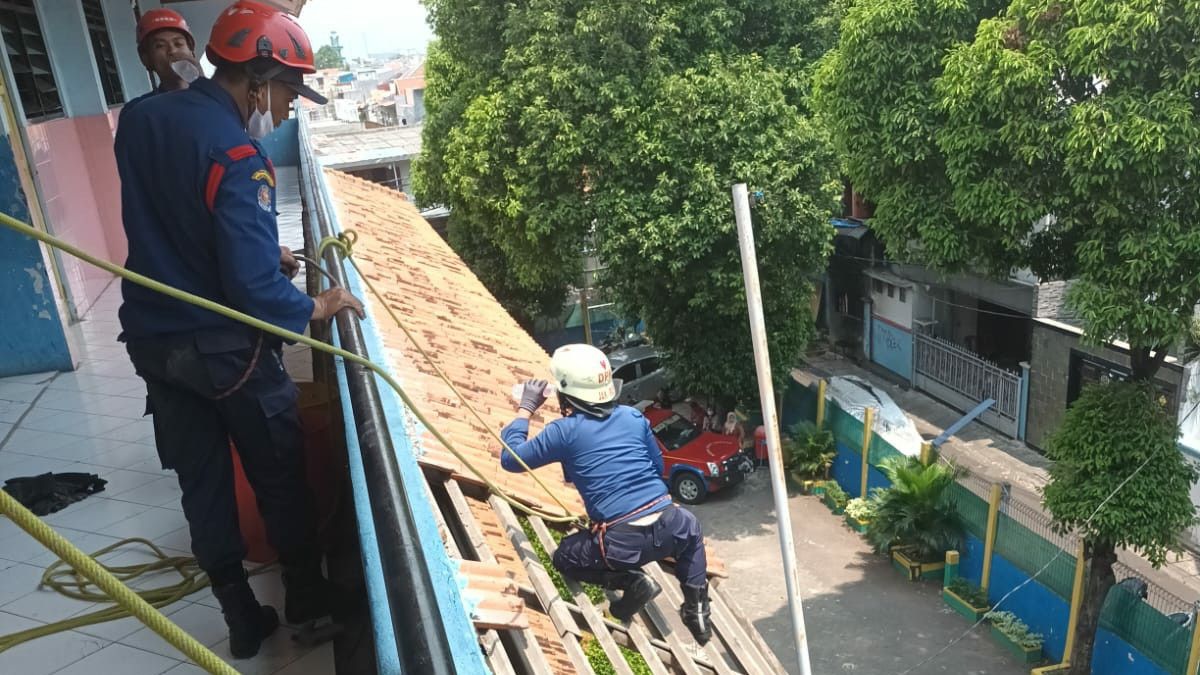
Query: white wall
[(891, 308)]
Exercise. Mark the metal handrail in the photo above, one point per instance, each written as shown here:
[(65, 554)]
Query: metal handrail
[(417, 625)]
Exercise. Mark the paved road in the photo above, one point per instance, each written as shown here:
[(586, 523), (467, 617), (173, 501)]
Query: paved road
[(862, 616)]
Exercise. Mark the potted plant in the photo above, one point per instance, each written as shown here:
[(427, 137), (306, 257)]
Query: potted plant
[(915, 522), (966, 598), (809, 453), (1012, 634), (859, 513), (835, 498)]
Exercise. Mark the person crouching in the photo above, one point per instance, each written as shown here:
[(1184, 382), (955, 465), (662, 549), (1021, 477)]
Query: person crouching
[(609, 453)]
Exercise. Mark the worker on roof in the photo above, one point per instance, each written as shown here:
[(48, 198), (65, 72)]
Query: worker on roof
[(168, 51), (610, 454), (198, 204)]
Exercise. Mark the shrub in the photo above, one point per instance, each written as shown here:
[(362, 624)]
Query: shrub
[(1015, 629), (862, 510), (809, 450), (915, 511), (835, 494), (968, 591)]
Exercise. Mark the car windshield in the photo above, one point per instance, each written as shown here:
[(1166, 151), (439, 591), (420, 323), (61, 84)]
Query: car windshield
[(675, 432)]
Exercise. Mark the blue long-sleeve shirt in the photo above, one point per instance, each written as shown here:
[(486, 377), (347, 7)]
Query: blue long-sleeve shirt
[(198, 205), (615, 462)]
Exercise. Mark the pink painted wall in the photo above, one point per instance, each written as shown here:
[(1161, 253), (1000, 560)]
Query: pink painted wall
[(77, 176)]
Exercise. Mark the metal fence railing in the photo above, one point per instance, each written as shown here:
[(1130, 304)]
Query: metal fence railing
[(965, 372)]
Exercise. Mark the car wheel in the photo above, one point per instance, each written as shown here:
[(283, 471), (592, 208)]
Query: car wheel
[(689, 488)]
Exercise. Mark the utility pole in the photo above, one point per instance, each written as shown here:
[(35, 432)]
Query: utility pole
[(766, 392)]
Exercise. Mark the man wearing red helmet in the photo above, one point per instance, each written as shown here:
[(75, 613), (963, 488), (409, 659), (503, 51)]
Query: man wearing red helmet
[(168, 51), (198, 205)]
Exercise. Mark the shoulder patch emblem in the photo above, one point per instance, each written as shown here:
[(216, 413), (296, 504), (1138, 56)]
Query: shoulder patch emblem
[(264, 198), (263, 175)]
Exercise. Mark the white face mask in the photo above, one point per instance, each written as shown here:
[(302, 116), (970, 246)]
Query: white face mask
[(260, 125)]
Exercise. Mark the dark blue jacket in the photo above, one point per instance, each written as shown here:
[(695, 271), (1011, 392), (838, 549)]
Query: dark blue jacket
[(130, 105), (615, 462), (198, 203)]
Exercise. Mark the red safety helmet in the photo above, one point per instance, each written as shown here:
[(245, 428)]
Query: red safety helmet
[(163, 19), (249, 30)]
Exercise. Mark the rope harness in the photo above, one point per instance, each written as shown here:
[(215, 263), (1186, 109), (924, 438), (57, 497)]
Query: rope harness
[(601, 529)]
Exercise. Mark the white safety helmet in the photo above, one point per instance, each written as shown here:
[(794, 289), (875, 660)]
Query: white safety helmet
[(584, 373)]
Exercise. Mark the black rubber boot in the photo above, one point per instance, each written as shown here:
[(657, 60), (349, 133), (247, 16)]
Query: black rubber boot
[(695, 613), (249, 622), (637, 590), (309, 595)]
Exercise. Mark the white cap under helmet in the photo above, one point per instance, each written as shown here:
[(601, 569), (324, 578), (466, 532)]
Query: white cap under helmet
[(584, 373)]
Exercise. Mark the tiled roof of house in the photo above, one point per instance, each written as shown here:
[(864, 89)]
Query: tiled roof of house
[(475, 342)]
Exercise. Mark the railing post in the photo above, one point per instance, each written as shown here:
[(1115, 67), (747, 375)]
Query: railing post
[(926, 453), (868, 425), (1023, 402), (821, 404), (989, 545)]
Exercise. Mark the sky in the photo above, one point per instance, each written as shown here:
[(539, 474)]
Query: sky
[(381, 25)]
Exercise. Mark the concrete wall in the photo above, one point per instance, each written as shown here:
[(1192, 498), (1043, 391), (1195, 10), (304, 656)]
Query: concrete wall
[(80, 192), (892, 347), (891, 308), (122, 31), (1050, 366), (33, 339)]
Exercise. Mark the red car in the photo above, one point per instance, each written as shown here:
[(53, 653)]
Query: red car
[(696, 462)]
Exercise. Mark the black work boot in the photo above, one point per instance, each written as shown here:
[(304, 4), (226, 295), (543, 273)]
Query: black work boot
[(249, 622), (695, 612), (309, 595), (637, 590)]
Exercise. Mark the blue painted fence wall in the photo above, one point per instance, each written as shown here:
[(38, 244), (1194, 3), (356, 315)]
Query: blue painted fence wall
[(1038, 606), (892, 347), (32, 339), (847, 471)]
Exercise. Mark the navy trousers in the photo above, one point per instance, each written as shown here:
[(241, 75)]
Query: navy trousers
[(188, 380), (676, 534)]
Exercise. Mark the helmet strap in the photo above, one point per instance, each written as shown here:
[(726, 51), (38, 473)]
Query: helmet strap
[(597, 410)]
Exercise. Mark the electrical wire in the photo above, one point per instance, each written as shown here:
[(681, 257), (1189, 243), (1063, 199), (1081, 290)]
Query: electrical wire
[(1006, 596)]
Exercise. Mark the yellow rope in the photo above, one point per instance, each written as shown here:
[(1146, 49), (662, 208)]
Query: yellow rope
[(228, 312), (345, 243), (66, 580), (112, 587)]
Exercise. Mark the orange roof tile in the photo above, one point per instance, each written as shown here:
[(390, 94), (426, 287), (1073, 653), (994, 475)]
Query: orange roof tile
[(473, 339)]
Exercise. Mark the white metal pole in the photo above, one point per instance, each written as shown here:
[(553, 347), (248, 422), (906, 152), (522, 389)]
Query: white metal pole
[(766, 392)]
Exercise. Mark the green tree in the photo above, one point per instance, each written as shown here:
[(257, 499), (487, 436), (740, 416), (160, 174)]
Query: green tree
[(1094, 452), (875, 93), (329, 57), (554, 123)]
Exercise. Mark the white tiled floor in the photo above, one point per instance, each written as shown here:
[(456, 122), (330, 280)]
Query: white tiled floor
[(91, 421)]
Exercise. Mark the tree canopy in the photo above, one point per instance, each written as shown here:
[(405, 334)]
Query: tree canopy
[(329, 57), (552, 124)]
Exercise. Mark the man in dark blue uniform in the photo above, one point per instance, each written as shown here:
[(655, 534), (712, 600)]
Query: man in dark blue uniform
[(198, 200), (168, 51), (611, 456)]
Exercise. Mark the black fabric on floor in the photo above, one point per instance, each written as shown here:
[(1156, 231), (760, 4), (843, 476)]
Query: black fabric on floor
[(51, 492)]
